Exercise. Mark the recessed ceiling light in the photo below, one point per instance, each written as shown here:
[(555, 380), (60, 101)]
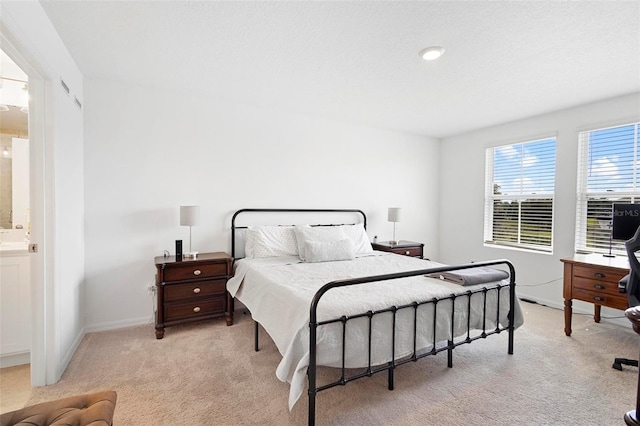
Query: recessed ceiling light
[(432, 52)]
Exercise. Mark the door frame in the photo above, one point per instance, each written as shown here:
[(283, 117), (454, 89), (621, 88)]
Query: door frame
[(42, 348)]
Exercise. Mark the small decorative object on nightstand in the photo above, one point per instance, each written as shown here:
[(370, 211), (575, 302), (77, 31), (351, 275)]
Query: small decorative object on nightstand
[(192, 289), (407, 248)]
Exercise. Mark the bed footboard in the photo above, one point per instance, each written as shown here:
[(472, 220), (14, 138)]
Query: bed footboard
[(390, 366)]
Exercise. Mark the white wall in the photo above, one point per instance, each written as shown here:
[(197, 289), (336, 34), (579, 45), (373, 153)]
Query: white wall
[(148, 151), (57, 211), (462, 193)]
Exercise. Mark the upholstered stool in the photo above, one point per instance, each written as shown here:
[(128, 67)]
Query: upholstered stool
[(95, 409)]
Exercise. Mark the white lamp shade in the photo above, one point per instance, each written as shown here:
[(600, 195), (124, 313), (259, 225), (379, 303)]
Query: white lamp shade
[(394, 214), (189, 215)]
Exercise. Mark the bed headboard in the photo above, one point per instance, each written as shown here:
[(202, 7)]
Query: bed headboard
[(286, 217)]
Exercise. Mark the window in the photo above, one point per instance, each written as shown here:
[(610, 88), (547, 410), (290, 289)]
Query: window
[(607, 174), (520, 182)]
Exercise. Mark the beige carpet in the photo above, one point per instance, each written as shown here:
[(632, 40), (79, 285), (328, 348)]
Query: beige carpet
[(208, 374)]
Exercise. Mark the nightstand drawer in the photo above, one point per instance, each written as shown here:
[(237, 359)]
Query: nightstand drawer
[(599, 274), (618, 301), (193, 291), (193, 270), (414, 251), (211, 306)]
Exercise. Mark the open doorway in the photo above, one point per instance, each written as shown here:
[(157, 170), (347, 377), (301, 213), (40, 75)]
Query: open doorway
[(15, 224), (55, 120)]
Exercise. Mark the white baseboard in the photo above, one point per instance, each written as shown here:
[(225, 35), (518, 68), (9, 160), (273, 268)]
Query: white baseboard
[(113, 325), (72, 350), (12, 360)]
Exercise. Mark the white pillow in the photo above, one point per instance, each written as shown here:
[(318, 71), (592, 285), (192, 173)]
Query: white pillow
[(306, 233), (357, 234), (248, 243), (326, 251), (270, 241)]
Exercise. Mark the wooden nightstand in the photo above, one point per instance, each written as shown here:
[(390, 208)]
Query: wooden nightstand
[(407, 248), (192, 289)]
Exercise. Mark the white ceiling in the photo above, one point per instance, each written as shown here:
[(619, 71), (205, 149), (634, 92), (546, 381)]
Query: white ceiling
[(358, 61)]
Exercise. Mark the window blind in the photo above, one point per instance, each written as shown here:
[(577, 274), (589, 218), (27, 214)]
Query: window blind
[(607, 174), (519, 194)]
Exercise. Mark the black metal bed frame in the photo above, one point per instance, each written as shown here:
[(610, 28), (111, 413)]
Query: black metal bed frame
[(237, 213), (394, 363)]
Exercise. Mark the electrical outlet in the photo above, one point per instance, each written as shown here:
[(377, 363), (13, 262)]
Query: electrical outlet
[(151, 289)]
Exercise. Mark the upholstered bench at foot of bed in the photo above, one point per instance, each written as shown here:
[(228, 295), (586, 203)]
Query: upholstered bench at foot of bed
[(95, 409)]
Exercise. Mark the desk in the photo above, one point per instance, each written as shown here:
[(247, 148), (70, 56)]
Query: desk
[(593, 278)]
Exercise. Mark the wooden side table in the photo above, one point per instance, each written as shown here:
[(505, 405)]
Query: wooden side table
[(192, 289), (406, 248), (593, 278)]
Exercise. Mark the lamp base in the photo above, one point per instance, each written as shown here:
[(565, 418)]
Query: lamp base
[(191, 255)]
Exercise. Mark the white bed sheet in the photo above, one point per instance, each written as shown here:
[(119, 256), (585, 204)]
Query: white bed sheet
[(278, 292)]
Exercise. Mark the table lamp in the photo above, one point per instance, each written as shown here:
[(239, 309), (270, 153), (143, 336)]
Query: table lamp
[(190, 216), (394, 216)]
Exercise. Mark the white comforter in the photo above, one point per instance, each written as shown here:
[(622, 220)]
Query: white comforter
[(278, 292)]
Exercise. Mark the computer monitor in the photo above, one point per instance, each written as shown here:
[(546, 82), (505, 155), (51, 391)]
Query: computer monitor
[(626, 220)]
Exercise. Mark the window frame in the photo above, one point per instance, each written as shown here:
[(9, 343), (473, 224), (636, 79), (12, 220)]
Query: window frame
[(491, 197), (588, 239)]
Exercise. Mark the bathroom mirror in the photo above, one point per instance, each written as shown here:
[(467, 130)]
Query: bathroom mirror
[(14, 146)]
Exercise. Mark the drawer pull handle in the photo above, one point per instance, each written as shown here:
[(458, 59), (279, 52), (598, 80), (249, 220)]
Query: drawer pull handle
[(599, 286), (196, 290), (598, 298), (407, 252), (196, 309), (197, 272), (598, 275)]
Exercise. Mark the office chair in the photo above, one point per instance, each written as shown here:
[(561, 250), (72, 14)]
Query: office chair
[(630, 284)]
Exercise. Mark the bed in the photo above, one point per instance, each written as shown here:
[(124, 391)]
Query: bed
[(327, 299)]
